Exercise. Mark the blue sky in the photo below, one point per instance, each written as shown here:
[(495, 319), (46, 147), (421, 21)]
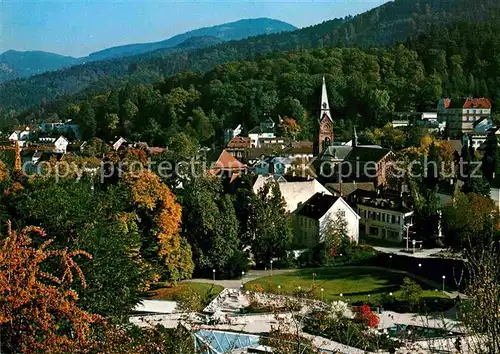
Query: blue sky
[(79, 27)]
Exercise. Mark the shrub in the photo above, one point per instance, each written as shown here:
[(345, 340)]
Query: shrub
[(314, 257), (237, 263), (351, 254), (365, 316), (189, 300), (348, 332), (411, 293), (337, 309)]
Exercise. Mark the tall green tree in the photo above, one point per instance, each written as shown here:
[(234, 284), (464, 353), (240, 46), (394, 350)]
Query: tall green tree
[(470, 221), (209, 223), (79, 217), (489, 162), (87, 121), (272, 226)]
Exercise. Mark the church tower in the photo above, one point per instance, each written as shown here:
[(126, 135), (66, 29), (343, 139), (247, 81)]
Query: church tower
[(325, 137)]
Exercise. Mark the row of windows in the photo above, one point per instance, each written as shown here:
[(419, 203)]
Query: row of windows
[(306, 222), (385, 234), (373, 215), (477, 111)]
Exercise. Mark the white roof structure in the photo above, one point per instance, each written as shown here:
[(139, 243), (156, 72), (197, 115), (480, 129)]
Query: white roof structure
[(294, 193), (156, 306)]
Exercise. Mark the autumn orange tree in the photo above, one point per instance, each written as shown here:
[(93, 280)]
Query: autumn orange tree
[(290, 127), (470, 220), (161, 216), (38, 311)]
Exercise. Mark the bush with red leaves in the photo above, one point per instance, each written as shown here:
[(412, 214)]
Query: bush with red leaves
[(365, 315)]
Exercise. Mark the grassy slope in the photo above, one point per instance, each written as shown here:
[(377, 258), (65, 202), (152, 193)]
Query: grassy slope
[(354, 284), (172, 293)]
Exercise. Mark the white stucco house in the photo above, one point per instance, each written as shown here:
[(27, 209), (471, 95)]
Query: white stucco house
[(265, 130), (461, 114), (119, 143), (382, 215), (20, 135), (61, 145), (294, 193), (315, 213)]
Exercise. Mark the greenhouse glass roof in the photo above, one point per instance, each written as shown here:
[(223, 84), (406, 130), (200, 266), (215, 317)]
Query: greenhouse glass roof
[(219, 342)]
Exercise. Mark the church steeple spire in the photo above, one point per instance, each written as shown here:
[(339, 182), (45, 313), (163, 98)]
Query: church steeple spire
[(325, 137), (325, 106)]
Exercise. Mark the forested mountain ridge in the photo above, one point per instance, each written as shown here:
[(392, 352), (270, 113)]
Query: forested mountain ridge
[(14, 64), (364, 87), (395, 21), (18, 64), (224, 32)]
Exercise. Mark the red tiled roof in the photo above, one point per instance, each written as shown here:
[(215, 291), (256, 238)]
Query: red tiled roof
[(477, 103), (226, 161), (239, 142), (156, 150), (465, 103)]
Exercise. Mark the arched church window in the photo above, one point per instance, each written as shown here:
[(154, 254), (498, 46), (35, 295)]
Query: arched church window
[(326, 143)]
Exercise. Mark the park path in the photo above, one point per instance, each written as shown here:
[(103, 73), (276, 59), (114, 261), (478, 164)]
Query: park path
[(424, 253)]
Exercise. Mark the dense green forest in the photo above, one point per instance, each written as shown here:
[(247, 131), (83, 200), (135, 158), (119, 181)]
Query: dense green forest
[(393, 22), (364, 86)]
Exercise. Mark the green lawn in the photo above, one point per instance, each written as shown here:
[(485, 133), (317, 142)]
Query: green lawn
[(355, 284), (172, 293)]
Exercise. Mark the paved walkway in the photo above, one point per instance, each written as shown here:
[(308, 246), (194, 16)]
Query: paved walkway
[(424, 253)]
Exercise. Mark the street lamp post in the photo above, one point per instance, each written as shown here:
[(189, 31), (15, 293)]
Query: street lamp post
[(414, 243), (407, 227), (213, 274), (271, 267), (444, 279), (242, 276), (322, 290)]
